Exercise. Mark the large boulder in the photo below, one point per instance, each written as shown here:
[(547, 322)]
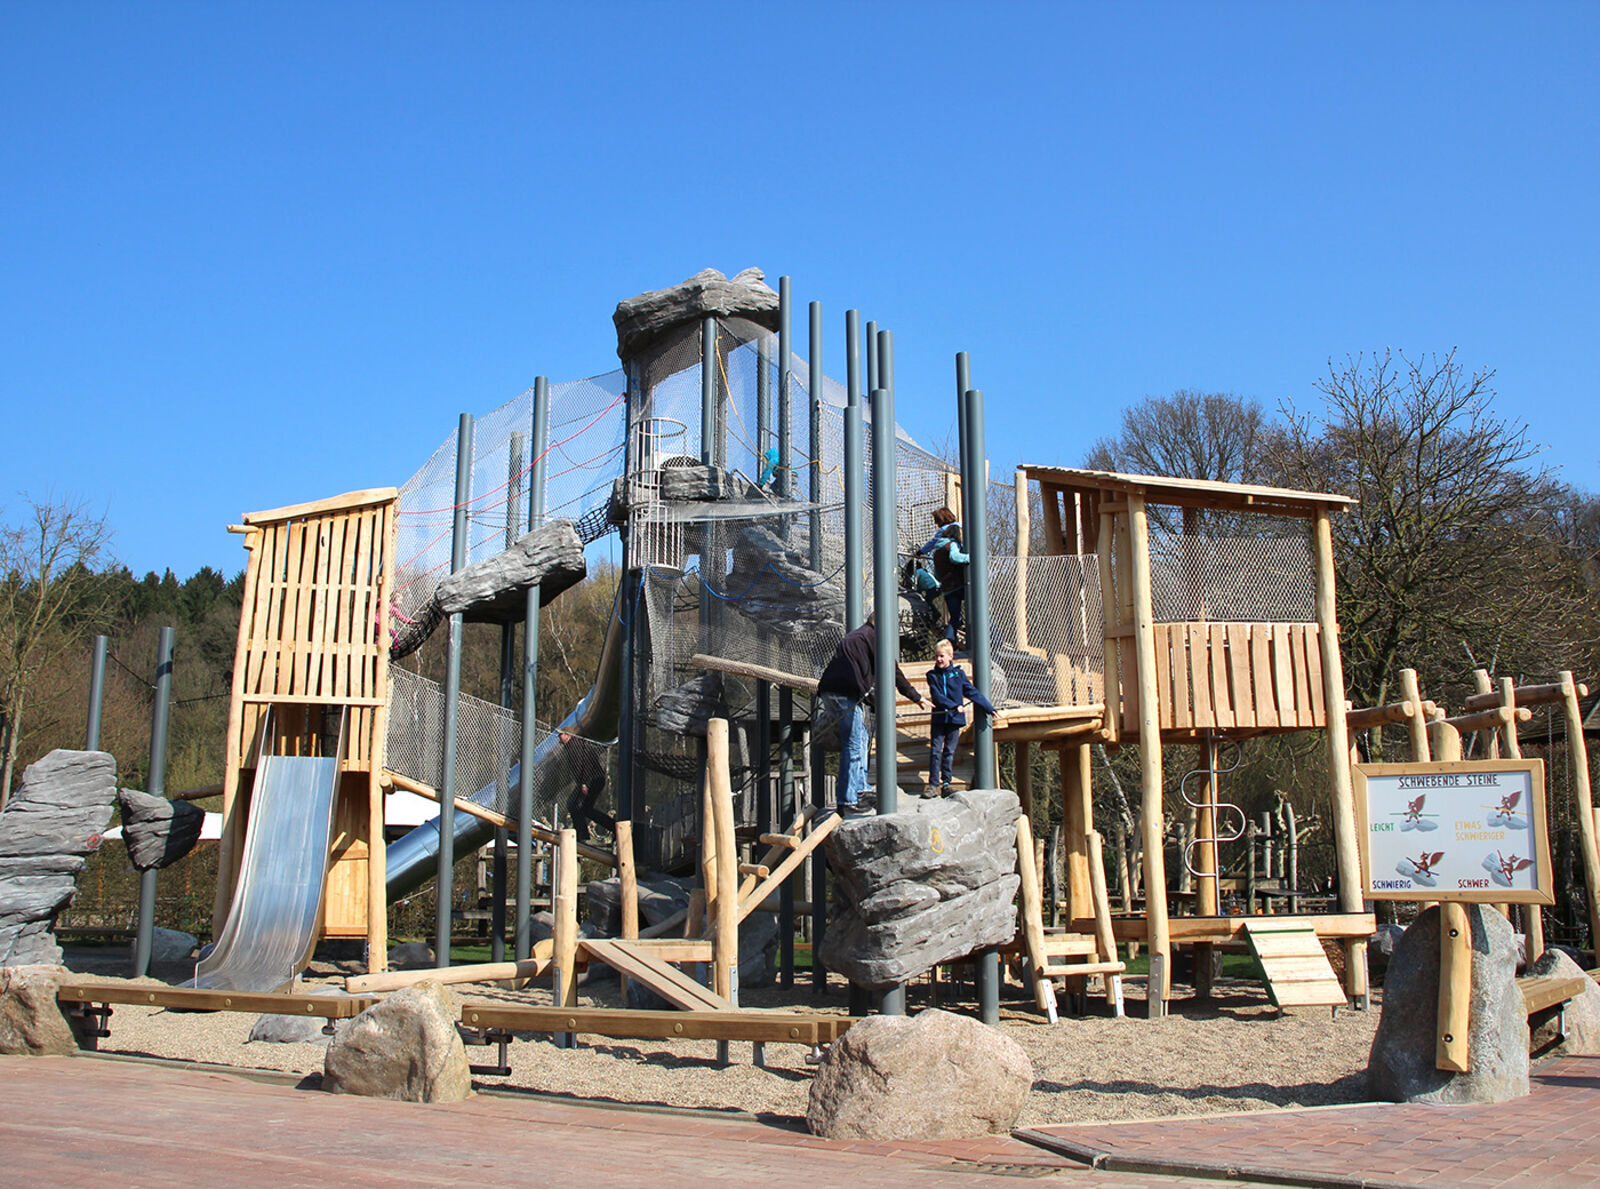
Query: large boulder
[(156, 831), (780, 591), (32, 1023), (495, 590), (411, 955), (172, 946), (930, 1076), (1576, 1032), (405, 1047), (933, 882), (275, 1028), (52, 822), (1401, 1064), (660, 897), (644, 320)]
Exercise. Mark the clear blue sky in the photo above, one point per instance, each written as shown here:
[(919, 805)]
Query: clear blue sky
[(253, 254)]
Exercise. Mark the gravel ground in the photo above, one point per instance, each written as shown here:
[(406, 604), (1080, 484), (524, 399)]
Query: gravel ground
[(1235, 1053)]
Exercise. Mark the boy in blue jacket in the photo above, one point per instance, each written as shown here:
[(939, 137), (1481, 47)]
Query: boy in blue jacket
[(948, 688)]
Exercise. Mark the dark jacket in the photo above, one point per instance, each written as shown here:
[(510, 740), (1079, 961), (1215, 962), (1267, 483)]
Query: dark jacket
[(949, 688), (949, 561), (853, 671)]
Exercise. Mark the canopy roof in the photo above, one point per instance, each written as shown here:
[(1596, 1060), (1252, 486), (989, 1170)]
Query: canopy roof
[(1191, 493)]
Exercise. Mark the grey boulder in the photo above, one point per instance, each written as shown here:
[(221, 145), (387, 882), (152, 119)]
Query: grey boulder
[(933, 882), (53, 820), (274, 1028), (495, 590), (412, 955), (156, 831), (1401, 1066), (642, 320), (31, 1021), (930, 1076), (405, 1047), (172, 945)]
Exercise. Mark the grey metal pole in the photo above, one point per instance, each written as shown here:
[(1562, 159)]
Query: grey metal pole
[(708, 390), (156, 786), (870, 346), (974, 496), (815, 382), (886, 606), (625, 606), (530, 682), (508, 692), (782, 482), (963, 383), (763, 403), (445, 879), (855, 598), (97, 694)]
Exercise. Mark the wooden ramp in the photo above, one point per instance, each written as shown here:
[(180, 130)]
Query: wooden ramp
[(635, 960), (1294, 965)]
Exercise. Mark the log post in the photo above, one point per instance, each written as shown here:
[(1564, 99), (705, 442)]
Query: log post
[(1155, 861), (1024, 775), (1077, 819), (1583, 798), (564, 982), (1455, 987), (1044, 992), (725, 908), (1417, 720), (1344, 801), (629, 875)]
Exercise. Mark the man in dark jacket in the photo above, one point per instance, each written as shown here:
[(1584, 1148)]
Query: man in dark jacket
[(847, 682), (589, 781)]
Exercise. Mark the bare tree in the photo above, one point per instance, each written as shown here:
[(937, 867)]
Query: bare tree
[(49, 598)]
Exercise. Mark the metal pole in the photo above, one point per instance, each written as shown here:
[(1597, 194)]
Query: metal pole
[(508, 690), (782, 483), (156, 786), (814, 429), (886, 605), (977, 537), (763, 403), (786, 814), (97, 692), (870, 347), (445, 880), (855, 598), (530, 681), (963, 383), (624, 610)]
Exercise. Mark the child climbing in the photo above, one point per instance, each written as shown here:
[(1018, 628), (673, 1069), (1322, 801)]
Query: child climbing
[(948, 688), (949, 567), (589, 781)]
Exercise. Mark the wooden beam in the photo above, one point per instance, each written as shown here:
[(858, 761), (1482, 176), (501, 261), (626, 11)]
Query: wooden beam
[(483, 972), (719, 664), (757, 1026), (348, 502), (1044, 992), (1077, 822), (328, 1007), (1582, 796), (1417, 721), (1187, 930), (629, 876), (797, 855), (1527, 695), (564, 907), (1455, 988), (1024, 530), (1155, 863)]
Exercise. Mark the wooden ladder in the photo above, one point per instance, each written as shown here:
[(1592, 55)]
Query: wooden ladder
[(1294, 965), (1063, 953)]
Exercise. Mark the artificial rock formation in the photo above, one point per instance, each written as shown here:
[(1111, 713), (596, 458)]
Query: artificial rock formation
[(158, 832), (405, 1047), (930, 1076), (643, 320), (779, 589), (685, 709), (51, 824), (1401, 1065), (933, 882), (31, 1021)]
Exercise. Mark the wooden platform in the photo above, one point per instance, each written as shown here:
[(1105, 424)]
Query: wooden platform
[(329, 1007), (1294, 966)]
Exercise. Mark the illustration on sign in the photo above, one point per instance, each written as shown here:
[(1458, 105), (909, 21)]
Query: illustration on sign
[(1472, 831)]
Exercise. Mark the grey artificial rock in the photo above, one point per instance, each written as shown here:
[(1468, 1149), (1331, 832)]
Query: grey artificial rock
[(495, 590), (52, 822), (31, 1021), (642, 320), (412, 955), (172, 945), (659, 896), (931, 883), (779, 590), (156, 831), (685, 709), (1401, 1066), (1380, 947), (1575, 1032), (933, 1076), (283, 1029), (694, 482), (405, 1046)]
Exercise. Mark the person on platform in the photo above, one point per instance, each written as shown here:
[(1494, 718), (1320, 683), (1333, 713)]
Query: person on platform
[(589, 781), (846, 686), (948, 688), (949, 567)]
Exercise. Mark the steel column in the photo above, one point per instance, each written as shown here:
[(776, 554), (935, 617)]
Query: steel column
[(445, 879), (530, 680), (97, 691), (156, 786)]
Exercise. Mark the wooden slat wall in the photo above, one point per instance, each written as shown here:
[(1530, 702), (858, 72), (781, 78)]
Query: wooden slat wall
[(1239, 676)]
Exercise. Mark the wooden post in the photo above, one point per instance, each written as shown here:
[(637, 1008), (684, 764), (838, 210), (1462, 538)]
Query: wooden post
[(1455, 987), (1444, 741), (1104, 938), (725, 908), (1044, 992), (1417, 721), (1532, 914), (1077, 819), (629, 875), (1155, 861), (1344, 801), (564, 982), (1023, 530), (1110, 617), (1583, 799), (1208, 899), (1024, 766)]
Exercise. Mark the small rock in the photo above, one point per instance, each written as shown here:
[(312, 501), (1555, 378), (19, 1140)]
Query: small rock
[(413, 955), (282, 1029), (172, 945), (1580, 1021), (1401, 1064), (405, 1047), (930, 1076), (31, 1022)]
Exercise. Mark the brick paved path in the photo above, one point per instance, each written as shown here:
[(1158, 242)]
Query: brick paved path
[(91, 1121), (1549, 1139)]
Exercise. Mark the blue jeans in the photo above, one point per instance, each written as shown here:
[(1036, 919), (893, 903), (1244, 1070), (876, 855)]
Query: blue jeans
[(852, 746), (943, 737), (953, 601)]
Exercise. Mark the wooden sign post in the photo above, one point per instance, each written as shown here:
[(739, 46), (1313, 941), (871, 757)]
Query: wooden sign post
[(1458, 833)]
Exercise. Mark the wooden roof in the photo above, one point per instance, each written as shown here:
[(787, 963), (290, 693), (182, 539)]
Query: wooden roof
[(1192, 493)]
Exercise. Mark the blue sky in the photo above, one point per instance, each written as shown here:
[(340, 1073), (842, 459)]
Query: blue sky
[(254, 254)]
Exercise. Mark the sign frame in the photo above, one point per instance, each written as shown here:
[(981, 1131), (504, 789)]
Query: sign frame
[(1366, 776)]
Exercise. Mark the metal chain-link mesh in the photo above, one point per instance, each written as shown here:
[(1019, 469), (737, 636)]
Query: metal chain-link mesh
[(1232, 579)]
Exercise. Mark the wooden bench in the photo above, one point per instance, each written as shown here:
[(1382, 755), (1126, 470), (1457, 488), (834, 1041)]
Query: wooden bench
[(1546, 997), (497, 1020), (91, 1000)]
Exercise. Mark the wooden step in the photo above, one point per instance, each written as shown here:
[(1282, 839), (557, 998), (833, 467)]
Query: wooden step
[(1294, 966), (1083, 968)]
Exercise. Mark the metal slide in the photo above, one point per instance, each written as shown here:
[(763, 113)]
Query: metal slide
[(414, 859), (277, 903)]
